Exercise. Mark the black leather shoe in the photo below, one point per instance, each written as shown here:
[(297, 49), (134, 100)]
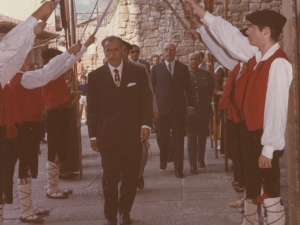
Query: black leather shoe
[(193, 169), (179, 174), (163, 165), (141, 183), (110, 221), (201, 164), (125, 219), (239, 189), (235, 183)]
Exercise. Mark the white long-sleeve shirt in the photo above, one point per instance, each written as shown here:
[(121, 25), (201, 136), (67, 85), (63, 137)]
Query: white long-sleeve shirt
[(52, 70), (280, 78), (14, 49), (216, 49), (230, 38)]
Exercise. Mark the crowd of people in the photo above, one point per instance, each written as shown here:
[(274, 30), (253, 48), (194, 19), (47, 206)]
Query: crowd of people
[(128, 97)]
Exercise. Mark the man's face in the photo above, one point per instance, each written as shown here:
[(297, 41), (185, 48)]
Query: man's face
[(169, 52), (194, 61), (26, 65), (135, 53), (113, 52), (162, 58), (255, 36), (155, 60), (125, 53), (150, 61)]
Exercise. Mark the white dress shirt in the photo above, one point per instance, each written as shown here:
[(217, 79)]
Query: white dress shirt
[(119, 68), (280, 78), (52, 70), (14, 49)]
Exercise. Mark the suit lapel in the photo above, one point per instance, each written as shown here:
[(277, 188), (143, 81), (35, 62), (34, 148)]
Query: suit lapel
[(109, 77), (165, 69), (125, 74)]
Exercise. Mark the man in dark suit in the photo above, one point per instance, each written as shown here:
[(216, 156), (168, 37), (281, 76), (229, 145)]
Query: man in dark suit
[(135, 54), (119, 119), (197, 124), (172, 84)]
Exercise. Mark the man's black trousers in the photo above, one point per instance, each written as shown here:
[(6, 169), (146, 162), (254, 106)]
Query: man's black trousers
[(122, 161), (173, 122)]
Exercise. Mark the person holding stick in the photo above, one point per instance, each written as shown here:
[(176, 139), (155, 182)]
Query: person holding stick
[(261, 95)]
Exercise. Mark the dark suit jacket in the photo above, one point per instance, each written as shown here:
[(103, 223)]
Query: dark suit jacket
[(203, 89), (172, 92), (145, 63), (116, 115)]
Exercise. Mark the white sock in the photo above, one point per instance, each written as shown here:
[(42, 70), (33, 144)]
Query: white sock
[(24, 190), (250, 212), (273, 211)]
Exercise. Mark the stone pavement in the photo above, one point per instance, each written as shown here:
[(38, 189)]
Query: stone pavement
[(166, 200)]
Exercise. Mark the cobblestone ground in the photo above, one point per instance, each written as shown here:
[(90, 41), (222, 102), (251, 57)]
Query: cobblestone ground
[(166, 200)]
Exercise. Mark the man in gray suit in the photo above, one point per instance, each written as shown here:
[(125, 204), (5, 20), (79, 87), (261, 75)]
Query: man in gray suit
[(127, 47)]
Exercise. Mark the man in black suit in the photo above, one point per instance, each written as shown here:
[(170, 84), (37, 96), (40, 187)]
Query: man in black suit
[(135, 54), (172, 84), (119, 119), (197, 124)]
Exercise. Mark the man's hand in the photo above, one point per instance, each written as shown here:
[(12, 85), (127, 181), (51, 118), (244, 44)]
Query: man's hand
[(75, 48), (264, 162), (189, 111), (44, 10), (89, 41), (193, 34), (93, 144), (196, 9), (145, 133), (40, 28), (155, 117)]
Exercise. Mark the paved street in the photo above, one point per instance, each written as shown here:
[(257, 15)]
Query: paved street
[(166, 200)]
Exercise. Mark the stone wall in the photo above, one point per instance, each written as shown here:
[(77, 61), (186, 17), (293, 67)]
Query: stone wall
[(150, 23)]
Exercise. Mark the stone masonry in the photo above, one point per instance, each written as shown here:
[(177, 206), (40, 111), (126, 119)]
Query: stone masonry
[(150, 23)]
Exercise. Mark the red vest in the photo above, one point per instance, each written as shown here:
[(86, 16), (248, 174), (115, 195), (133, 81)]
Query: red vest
[(251, 90), (226, 102), (12, 115), (29, 101), (56, 93)]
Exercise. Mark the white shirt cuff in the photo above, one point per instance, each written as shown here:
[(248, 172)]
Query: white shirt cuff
[(31, 21), (268, 151), (190, 107), (201, 30), (92, 138), (208, 18), (144, 126)]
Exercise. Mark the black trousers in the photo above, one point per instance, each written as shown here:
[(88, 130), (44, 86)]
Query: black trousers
[(196, 141), (255, 177), (57, 125), (235, 143), (124, 160), (8, 157), (164, 125), (29, 140)]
